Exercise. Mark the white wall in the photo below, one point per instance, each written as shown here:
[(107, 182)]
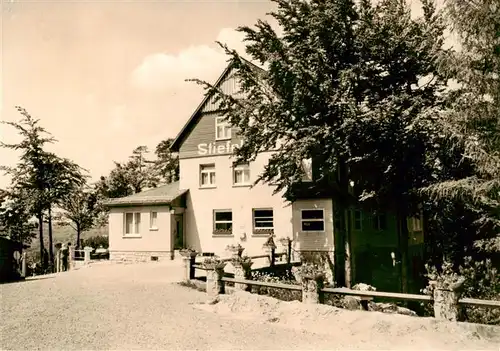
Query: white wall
[(241, 200), (148, 240), (313, 241)]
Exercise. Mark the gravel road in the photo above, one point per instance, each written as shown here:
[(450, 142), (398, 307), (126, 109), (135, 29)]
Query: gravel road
[(140, 307), (124, 307)]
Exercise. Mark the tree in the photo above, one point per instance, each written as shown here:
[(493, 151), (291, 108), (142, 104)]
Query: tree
[(41, 176), (15, 219), (80, 210), (166, 166), (472, 116), (62, 178), (29, 174), (344, 87)]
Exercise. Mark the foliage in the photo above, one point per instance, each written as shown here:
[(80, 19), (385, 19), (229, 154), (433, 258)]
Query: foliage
[(472, 115), (281, 294), (97, 241), (15, 219), (41, 175), (166, 166), (137, 173), (480, 280), (81, 210)]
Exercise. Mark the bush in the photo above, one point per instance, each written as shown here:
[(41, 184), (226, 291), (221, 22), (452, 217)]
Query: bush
[(96, 241), (481, 281), (281, 294)]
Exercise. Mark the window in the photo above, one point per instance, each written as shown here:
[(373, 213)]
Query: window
[(207, 175), (222, 129), (153, 218), (223, 222), (241, 174), (313, 220), (358, 220), (416, 224), (379, 221), (132, 223), (263, 221)]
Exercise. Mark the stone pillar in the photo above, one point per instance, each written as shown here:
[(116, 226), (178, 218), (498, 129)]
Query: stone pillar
[(312, 283), (188, 263), (242, 270), (215, 285), (86, 258), (24, 265), (446, 304), (71, 257)]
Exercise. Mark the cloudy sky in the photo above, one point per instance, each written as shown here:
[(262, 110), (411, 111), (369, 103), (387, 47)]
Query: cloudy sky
[(106, 76)]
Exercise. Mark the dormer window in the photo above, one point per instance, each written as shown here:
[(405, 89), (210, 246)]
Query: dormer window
[(222, 129)]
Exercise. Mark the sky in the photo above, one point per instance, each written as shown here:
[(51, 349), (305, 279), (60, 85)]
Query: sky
[(106, 76)]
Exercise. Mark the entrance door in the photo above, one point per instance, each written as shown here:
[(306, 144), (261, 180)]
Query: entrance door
[(179, 232)]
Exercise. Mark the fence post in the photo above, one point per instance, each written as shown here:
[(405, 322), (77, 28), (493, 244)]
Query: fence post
[(71, 256), (86, 258), (24, 265), (446, 305), (242, 270), (215, 285), (312, 283)]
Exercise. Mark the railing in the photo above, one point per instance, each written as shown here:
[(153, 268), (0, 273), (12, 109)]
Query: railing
[(446, 302)]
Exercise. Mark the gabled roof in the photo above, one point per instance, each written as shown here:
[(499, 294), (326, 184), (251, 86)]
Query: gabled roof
[(195, 117), (162, 195)]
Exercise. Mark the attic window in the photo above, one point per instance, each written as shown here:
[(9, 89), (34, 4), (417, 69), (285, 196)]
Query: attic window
[(222, 129)]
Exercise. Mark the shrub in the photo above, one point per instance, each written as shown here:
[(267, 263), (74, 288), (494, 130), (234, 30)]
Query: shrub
[(96, 241), (481, 281), (281, 294)]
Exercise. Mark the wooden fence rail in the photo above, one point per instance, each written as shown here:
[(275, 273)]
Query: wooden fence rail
[(446, 301)]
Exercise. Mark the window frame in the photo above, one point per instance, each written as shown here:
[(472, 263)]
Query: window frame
[(262, 230), (241, 167), (302, 220), (153, 227), (209, 172), (222, 232), (134, 233), (226, 127)]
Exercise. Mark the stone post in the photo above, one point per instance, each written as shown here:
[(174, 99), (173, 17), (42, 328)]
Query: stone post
[(86, 258), (242, 270), (215, 285), (312, 282), (446, 298), (57, 255), (189, 260), (24, 265), (71, 257)]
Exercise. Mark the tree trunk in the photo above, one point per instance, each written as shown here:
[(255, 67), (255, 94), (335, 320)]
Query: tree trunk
[(51, 246), (346, 219), (78, 233), (401, 215), (40, 231), (347, 249)]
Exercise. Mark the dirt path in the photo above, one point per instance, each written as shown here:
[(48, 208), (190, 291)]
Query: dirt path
[(123, 307)]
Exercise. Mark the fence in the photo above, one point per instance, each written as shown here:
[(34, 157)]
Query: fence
[(446, 300)]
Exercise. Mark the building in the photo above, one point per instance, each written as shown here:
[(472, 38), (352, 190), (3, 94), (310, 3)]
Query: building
[(213, 205)]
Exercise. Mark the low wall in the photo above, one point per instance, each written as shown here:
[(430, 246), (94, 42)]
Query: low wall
[(140, 256)]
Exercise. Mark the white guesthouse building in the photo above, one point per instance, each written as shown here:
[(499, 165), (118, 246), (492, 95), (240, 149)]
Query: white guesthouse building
[(213, 205)]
